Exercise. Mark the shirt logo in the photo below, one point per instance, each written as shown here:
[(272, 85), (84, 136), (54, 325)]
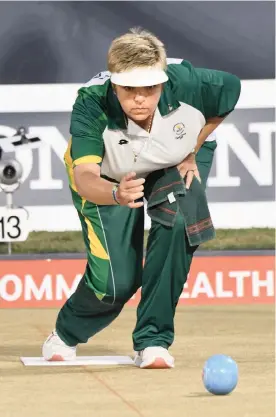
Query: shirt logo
[(123, 142), (179, 130)]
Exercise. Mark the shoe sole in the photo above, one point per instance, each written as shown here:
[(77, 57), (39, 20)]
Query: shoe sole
[(158, 363)]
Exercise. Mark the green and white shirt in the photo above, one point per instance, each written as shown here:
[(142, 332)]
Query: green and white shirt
[(101, 135)]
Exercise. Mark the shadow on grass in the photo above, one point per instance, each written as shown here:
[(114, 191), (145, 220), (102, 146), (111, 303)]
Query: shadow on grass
[(205, 395), (199, 395)]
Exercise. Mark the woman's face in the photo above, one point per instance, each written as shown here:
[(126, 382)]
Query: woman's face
[(138, 103)]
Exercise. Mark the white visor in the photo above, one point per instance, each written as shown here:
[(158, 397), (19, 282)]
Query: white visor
[(139, 77)]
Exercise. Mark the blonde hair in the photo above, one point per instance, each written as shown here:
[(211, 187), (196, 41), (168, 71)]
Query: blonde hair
[(137, 48)]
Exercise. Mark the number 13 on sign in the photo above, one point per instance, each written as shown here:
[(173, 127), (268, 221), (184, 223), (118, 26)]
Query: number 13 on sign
[(13, 225)]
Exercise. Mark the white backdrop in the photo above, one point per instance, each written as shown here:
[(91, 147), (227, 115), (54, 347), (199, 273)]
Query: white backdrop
[(40, 192)]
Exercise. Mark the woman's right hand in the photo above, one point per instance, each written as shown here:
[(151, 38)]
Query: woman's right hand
[(129, 190)]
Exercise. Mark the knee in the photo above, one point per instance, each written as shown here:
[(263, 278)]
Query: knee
[(124, 291), (124, 281)]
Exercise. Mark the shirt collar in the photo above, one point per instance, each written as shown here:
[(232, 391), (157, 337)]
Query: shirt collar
[(115, 115)]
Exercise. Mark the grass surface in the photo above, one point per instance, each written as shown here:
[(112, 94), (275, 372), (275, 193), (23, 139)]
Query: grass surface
[(246, 333), (53, 242)]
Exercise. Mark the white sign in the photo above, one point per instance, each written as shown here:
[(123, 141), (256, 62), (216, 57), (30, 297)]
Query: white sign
[(13, 225), (240, 186), (51, 98)]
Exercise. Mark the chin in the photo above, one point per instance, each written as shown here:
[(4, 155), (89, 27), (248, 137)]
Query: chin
[(142, 116)]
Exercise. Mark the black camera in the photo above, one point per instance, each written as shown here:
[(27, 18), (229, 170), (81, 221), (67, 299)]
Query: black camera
[(10, 169), (10, 172)]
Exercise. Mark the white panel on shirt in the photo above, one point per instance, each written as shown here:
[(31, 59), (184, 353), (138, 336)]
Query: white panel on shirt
[(99, 79), (171, 139), (174, 61)]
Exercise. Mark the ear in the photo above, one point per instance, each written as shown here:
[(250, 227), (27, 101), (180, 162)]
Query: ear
[(114, 88)]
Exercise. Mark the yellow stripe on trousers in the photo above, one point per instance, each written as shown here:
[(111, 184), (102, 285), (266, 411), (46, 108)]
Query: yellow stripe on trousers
[(96, 248)]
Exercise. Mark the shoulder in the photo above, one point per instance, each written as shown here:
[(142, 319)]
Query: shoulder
[(92, 95), (184, 82), (90, 106), (202, 87), (96, 89), (98, 84), (181, 72), (183, 79)]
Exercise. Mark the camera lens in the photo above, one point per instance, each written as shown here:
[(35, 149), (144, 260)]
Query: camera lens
[(9, 172)]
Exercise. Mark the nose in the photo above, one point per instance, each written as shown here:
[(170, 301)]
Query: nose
[(139, 98)]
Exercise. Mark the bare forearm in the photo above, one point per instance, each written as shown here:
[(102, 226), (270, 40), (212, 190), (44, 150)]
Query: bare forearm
[(95, 189), (210, 126)]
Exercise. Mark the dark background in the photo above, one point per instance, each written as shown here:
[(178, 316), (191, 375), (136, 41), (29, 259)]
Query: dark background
[(56, 42)]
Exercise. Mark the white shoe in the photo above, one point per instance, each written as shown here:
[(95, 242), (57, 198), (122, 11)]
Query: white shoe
[(154, 357), (54, 349)]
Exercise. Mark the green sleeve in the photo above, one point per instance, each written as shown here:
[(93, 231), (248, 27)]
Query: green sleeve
[(220, 91), (88, 121)]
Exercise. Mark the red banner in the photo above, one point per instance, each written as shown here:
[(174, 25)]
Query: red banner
[(212, 280)]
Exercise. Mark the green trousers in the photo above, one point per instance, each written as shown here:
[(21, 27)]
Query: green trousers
[(113, 237)]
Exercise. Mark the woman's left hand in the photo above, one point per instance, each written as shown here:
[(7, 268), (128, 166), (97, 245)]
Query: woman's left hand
[(188, 167)]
